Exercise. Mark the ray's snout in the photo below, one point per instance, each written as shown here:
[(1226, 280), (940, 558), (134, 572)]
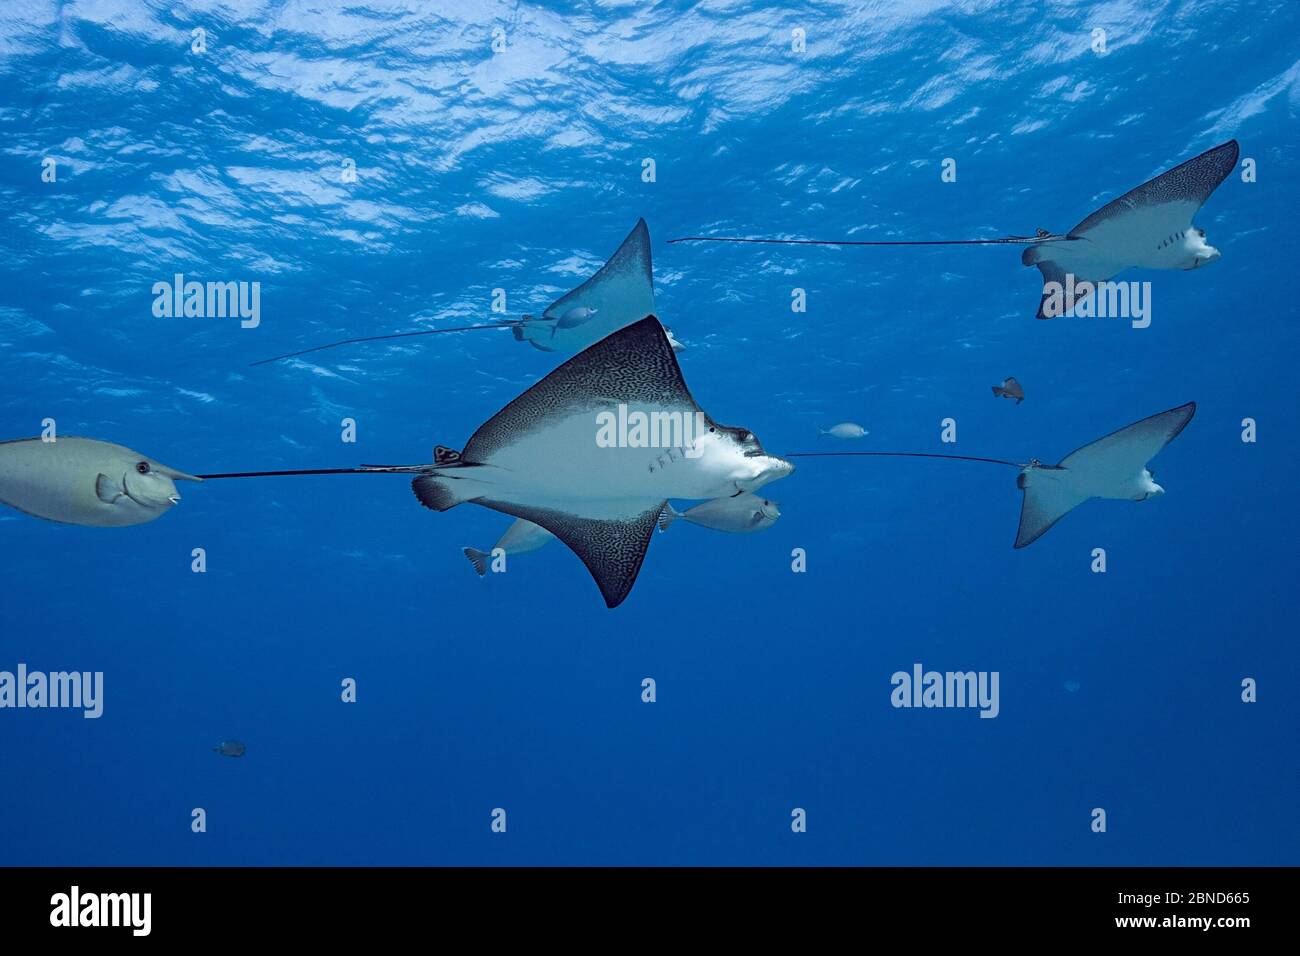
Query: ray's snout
[(781, 468), (771, 468)]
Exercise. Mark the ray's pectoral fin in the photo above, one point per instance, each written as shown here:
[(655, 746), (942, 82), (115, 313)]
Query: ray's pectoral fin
[(1046, 502), (449, 483), (612, 549), (1060, 292), (442, 491), (107, 490), (1131, 447)]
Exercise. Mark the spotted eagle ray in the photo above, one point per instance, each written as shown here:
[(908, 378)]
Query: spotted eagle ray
[(620, 293), (1111, 467), (541, 458), (1149, 227)]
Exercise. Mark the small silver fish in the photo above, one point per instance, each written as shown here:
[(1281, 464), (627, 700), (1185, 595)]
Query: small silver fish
[(573, 318), (845, 430), (230, 748), (739, 515)]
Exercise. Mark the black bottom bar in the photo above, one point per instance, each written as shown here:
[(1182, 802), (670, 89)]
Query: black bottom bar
[(332, 904)]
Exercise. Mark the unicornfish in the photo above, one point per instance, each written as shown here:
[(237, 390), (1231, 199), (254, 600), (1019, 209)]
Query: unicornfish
[(87, 482), (520, 538), (741, 514)]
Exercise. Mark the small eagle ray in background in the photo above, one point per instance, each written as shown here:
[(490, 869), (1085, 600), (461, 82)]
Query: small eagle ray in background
[(619, 293), (1113, 467), (1149, 227)]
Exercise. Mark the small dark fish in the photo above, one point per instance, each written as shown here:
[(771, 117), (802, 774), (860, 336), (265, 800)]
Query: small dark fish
[(230, 748), (1010, 389)]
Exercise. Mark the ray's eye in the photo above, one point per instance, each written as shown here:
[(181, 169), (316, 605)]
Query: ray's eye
[(142, 467), (1201, 233), (712, 429)]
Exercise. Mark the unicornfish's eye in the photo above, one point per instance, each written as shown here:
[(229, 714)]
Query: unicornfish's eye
[(142, 467)]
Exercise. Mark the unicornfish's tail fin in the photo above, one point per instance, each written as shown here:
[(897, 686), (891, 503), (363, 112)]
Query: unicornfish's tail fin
[(667, 516), (477, 558)]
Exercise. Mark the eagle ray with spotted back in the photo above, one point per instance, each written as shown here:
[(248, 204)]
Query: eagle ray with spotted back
[(540, 457), (1149, 227)]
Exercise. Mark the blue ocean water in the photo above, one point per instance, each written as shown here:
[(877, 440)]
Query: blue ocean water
[(522, 169)]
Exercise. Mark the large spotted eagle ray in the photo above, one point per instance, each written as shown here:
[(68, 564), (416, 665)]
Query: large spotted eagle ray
[(542, 457)]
